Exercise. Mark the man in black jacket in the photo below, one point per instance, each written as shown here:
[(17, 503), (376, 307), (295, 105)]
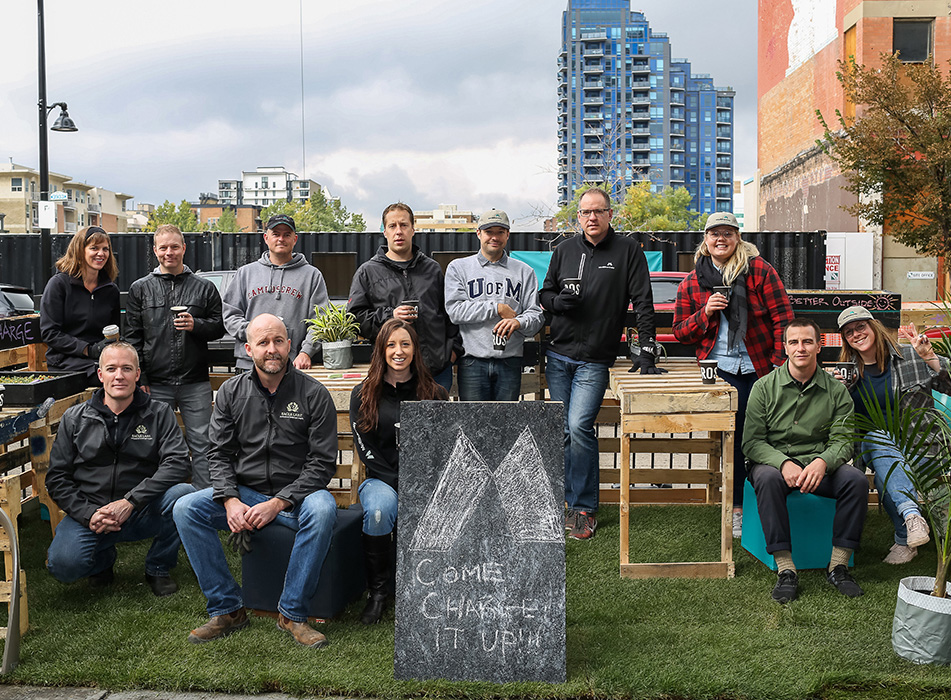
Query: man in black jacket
[(116, 469), (400, 272), (173, 345), (274, 446), (590, 281)]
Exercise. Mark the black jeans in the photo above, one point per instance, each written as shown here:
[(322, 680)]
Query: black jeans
[(847, 485)]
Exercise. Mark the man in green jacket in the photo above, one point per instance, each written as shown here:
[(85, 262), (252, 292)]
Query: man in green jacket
[(796, 438)]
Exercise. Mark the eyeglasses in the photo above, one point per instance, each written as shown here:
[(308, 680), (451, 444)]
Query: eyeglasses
[(725, 235), (854, 328), (585, 213)]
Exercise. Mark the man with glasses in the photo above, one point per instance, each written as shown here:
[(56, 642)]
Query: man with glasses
[(494, 301), (591, 279)]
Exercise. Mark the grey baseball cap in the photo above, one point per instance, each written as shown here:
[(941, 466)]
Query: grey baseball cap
[(721, 218), (494, 217), (854, 313)]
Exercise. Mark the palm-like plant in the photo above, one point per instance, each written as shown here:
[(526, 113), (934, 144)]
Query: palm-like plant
[(923, 439), (333, 323)]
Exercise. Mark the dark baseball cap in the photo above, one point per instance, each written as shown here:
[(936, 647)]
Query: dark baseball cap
[(279, 219)]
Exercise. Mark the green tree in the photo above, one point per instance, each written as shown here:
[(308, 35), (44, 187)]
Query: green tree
[(227, 222), (642, 210), (667, 210), (317, 214), (896, 153), (181, 216)]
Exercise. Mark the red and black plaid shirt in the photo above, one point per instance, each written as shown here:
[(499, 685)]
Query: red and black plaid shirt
[(769, 312)]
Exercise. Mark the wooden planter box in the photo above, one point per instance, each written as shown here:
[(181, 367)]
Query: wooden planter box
[(61, 385)]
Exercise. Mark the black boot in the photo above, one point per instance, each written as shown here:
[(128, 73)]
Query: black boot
[(379, 565)]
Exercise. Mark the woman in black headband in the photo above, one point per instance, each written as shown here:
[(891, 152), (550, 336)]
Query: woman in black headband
[(79, 301)]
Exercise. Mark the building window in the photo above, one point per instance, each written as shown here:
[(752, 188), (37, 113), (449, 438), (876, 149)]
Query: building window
[(911, 39), (16, 184)]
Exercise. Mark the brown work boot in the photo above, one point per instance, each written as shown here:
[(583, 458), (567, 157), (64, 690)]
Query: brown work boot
[(220, 626), (302, 633)]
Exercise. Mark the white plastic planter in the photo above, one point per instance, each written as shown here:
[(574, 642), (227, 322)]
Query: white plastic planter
[(337, 355), (921, 630)]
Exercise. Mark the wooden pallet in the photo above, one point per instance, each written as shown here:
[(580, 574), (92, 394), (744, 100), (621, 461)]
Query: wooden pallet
[(677, 402)]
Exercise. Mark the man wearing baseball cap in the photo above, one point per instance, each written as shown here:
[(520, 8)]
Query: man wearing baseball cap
[(494, 301), (280, 282)]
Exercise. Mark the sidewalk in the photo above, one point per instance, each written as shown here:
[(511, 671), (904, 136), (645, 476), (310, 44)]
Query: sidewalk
[(30, 692)]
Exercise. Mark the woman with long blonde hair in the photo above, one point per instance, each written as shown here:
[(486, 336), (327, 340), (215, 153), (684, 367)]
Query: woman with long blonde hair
[(79, 301), (733, 308)]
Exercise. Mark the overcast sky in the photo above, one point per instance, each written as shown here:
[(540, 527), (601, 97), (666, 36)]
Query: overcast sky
[(428, 102)]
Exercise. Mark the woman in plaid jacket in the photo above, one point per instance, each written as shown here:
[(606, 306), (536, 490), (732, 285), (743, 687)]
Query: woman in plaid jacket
[(733, 308)]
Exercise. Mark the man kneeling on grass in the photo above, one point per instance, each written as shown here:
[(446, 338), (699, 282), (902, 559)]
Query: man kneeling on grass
[(273, 452), (795, 438), (116, 468)]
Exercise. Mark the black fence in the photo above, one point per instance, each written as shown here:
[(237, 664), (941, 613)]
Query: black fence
[(799, 257)]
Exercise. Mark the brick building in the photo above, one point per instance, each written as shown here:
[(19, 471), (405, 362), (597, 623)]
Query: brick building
[(800, 45)]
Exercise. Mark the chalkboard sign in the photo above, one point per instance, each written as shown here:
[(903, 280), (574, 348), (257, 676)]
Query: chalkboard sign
[(481, 563), (16, 331), (824, 306)]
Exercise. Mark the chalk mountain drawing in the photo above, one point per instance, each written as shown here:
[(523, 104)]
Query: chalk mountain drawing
[(531, 512)]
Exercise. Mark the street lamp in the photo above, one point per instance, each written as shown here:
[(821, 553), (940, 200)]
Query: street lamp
[(63, 123)]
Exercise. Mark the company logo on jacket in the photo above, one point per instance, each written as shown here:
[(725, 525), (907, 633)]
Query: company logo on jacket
[(493, 288), (275, 289), (141, 433), (607, 266), (292, 411)]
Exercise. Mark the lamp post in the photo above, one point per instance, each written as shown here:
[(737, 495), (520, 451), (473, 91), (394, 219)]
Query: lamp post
[(62, 123)]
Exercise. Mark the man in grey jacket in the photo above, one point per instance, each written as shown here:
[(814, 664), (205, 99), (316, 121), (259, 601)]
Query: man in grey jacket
[(116, 468), (282, 283), (274, 446), (494, 301)]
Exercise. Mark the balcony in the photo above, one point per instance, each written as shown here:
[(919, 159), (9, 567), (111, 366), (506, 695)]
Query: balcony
[(598, 51), (593, 162), (92, 208), (640, 161), (639, 146), (594, 36), (639, 130), (593, 100), (593, 116), (640, 67), (676, 97), (724, 117), (640, 84), (593, 146), (676, 144), (723, 146), (593, 131), (640, 116), (640, 100), (563, 170), (596, 67), (724, 132), (677, 129), (70, 227), (593, 84)]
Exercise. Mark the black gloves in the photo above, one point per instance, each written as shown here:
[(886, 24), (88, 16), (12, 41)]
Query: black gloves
[(240, 542), (565, 302), (645, 361), (96, 350)]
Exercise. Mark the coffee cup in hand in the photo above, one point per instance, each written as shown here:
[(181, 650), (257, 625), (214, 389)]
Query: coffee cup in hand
[(111, 333)]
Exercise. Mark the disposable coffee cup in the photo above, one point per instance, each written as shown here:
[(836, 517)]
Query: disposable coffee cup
[(111, 333), (498, 342), (414, 303), (708, 371), (725, 290), (573, 285), (179, 310), (847, 371)]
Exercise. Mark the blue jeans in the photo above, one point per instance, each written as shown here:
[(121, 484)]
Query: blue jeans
[(494, 379), (194, 403), (199, 518), (581, 389), (444, 378), (380, 507), (897, 505), (77, 551), (743, 383)]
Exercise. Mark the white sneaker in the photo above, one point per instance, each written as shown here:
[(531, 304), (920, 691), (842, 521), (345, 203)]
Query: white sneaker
[(918, 531), (738, 523), (900, 554)]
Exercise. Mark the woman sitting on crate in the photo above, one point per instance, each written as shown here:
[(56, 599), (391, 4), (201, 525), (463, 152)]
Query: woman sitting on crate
[(396, 374), (79, 302), (885, 371), (733, 308)]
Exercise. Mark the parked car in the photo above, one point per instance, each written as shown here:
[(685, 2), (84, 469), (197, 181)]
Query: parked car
[(15, 301)]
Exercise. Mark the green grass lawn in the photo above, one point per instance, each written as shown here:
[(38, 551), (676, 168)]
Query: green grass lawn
[(626, 639)]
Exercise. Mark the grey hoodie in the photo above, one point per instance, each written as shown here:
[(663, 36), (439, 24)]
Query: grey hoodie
[(290, 291), (474, 289)]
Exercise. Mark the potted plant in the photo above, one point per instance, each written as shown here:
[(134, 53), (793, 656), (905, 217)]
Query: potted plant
[(336, 329), (921, 629)]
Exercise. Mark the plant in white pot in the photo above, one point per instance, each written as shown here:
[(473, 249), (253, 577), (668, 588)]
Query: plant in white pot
[(336, 329), (921, 629)]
